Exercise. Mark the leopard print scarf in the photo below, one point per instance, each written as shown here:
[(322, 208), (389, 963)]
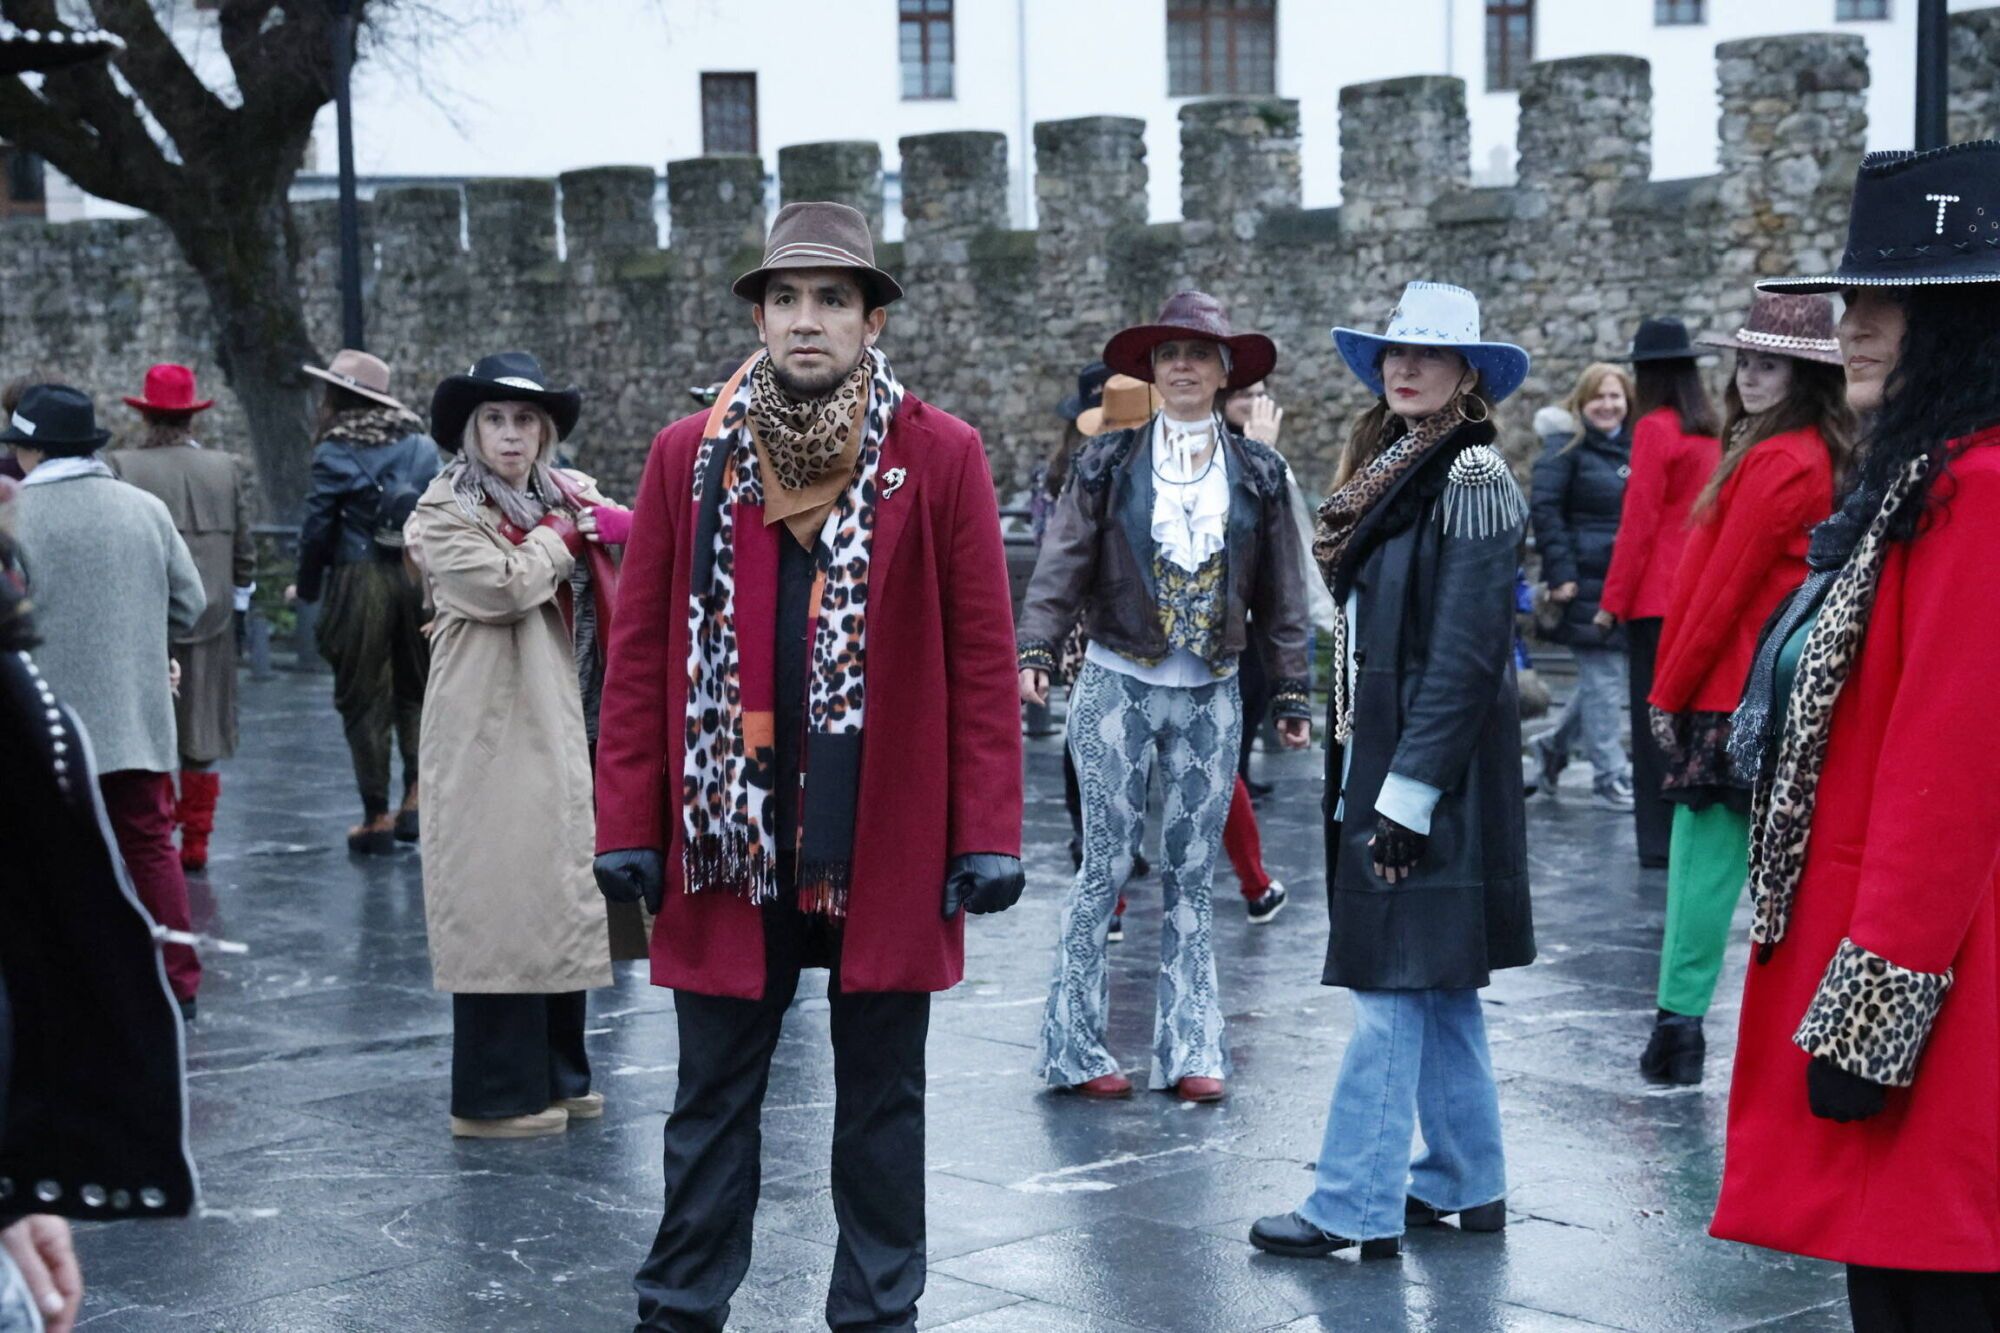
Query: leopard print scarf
[(1782, 802), (728, 804), (1340, 518), (803, 440)]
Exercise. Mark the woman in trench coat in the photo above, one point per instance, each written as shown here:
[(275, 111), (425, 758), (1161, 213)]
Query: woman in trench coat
[(1427, 883), (517, 927)]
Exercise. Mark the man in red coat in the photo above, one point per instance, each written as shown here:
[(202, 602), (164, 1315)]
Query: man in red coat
[(809, 756)]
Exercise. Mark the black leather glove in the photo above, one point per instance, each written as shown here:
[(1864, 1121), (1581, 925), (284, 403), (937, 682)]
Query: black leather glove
[(1835, 1094), (638, 874), (983, 882), (1396, 848)]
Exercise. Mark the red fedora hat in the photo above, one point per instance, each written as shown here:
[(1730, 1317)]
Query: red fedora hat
[(169, 388), (1191, 315)]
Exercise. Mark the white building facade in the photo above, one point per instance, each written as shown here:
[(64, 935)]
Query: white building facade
[(565, 84)]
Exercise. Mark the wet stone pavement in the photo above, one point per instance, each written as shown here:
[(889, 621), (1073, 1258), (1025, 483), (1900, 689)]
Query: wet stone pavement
[(335, 1198)]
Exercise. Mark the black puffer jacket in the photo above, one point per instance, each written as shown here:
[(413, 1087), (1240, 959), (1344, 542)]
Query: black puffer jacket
[(1432, 573), (1579, 494), (350, 482)]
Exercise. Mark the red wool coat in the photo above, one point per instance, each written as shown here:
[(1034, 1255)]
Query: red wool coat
[(941, 760), (1744, 555), (1904, 859), (1669, 468)]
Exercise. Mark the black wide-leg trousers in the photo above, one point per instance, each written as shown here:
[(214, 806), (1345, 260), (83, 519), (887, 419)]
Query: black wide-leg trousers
[(713, 1144), (516, 1054), (1898, 1300), (1652, 815)]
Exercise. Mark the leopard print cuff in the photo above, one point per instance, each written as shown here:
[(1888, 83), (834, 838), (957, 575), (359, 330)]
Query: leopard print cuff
[(1038, 655), (1871, 1017), (1290, 698)]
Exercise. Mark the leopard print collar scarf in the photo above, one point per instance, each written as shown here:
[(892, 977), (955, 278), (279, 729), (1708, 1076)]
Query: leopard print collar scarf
[(1782, 802), (803, 440), (1340, 518), (728, 806)]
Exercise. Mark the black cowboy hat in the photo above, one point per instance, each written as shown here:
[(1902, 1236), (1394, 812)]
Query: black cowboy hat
[(505, 377), (1089, 391), (25, 49), (56, 420), (1918, 220), (1661, 338)]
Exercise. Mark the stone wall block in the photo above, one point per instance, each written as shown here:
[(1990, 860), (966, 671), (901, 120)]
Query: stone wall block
[(1586, 129), (1404, 144), (418, 226), (954, 186), (609, 210), (845, 172), (1239, 162), (716, 202), (1975, 75), (511, 224), (1090, 177)]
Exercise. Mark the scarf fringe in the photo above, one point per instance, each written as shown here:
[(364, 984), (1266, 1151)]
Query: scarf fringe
[(714, 863), (823, 889)]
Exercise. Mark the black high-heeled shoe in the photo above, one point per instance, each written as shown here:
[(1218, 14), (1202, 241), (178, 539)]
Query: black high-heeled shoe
[(1675, 1052), (1293, 1237), (1486, 1217)]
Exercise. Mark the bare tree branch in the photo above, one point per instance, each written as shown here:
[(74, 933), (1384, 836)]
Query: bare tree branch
[(194, 118)]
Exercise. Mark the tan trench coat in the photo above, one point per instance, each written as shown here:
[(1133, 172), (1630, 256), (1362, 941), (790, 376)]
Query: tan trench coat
[(505, 770)]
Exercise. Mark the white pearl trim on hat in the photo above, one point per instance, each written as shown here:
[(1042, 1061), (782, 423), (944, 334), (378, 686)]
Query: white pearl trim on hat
[(1787, 342)]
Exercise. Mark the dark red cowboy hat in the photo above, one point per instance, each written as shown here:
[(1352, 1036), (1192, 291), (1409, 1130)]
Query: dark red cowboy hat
[(1191, 315), (169, 388)]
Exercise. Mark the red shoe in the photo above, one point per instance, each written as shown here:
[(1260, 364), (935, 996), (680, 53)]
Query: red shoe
[(1105, 1087), (1197, 1089), (195, 813)]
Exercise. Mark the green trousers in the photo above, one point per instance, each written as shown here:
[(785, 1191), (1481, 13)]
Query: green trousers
[(1708, 861)]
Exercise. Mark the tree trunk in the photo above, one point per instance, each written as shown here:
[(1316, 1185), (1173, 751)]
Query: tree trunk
[(246, 259)]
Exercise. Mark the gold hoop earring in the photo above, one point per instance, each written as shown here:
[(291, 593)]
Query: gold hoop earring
[(1485, 412)]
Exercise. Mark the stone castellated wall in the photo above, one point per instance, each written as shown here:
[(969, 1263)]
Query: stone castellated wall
[(996, 322)]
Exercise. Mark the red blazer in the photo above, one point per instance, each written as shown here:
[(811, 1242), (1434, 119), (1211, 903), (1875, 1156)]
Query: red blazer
[(1743, 557), (1904, 859), (1669, 469), (941, 759)]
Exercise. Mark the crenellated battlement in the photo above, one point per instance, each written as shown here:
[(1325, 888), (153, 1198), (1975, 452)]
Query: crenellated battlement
[(1566, 260)]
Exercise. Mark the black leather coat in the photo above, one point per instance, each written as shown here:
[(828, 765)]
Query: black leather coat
[(1434, 701), (92, 1113), (349, 482), (1579, 494)]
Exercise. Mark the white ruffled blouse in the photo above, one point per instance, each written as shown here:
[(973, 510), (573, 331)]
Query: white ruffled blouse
[(1190, 499)]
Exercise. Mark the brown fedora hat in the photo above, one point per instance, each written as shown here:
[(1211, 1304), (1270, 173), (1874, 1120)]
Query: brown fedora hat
[(357, 372), (1786, 325), (820, 235), (1127, 403), (1191, 315)]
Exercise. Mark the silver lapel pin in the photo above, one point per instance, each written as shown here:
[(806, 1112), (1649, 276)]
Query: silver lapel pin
[(893, 479)]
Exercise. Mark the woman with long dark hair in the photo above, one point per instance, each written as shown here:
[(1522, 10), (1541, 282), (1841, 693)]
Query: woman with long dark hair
[(1674, 452), (1862, 1124), (1788, 436), (1579, 488), (1426, 848)]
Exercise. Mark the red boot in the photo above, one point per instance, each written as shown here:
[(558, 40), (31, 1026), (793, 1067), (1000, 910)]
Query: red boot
[(196, 815)]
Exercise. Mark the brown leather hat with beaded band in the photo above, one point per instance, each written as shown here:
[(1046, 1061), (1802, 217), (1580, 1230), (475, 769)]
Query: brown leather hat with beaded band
[(1785, 325), (1919, 220)]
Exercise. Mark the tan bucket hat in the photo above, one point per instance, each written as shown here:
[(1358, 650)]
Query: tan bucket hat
[(820, 235), (358, 372)]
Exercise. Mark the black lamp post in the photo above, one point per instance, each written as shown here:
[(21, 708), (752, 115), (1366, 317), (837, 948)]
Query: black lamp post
[(350, 209), (1933, 74)]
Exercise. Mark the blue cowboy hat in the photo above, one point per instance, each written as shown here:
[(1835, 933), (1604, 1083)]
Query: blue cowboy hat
[(1436, 314)]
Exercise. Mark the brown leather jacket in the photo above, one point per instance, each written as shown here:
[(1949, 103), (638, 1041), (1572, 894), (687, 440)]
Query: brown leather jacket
[(1097, 562)]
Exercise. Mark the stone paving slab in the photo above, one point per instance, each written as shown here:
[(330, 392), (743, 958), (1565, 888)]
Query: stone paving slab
[(335, 1198)]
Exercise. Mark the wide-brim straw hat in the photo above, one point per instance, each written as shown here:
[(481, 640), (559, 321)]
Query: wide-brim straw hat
[(1191, 315), (1782, 324), (358, 372), (1918, 220), (1128, 403), (1435, 314), (820, 235), (505, 377)]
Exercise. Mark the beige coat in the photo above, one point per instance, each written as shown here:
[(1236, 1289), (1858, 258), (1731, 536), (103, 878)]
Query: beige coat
[(505, 770)]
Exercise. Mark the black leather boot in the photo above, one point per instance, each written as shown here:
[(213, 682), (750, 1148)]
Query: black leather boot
[(1292, 1236), (1486, 1217), (1675, 1052)]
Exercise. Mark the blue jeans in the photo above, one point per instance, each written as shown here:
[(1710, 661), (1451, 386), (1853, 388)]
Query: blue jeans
[(1594, 716), (1417, 1057)]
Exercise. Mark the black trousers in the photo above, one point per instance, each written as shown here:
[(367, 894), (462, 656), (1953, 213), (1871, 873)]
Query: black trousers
[(1900, 1300), (516, 1054), (714, 1142), (1652, 816)]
